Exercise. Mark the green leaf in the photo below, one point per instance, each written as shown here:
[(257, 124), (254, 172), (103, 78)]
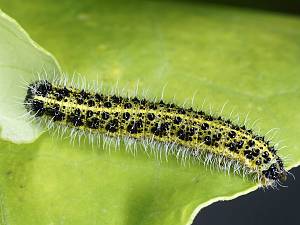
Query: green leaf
[(246, 57), (20, 60)]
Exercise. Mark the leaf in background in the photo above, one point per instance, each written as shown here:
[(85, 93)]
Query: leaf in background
[(245, 56), (20, 60)]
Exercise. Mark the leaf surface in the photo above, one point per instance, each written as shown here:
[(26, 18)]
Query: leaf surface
[(21, 59)]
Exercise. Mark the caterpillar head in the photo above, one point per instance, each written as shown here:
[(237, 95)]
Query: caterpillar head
[(276, 172)]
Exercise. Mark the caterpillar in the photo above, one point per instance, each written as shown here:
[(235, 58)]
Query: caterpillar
[(195, 131)]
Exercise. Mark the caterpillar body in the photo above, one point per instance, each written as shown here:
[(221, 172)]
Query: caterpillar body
[(157, 121)]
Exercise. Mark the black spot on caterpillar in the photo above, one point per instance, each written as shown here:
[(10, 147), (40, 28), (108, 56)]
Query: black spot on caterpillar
[(198, 133)]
